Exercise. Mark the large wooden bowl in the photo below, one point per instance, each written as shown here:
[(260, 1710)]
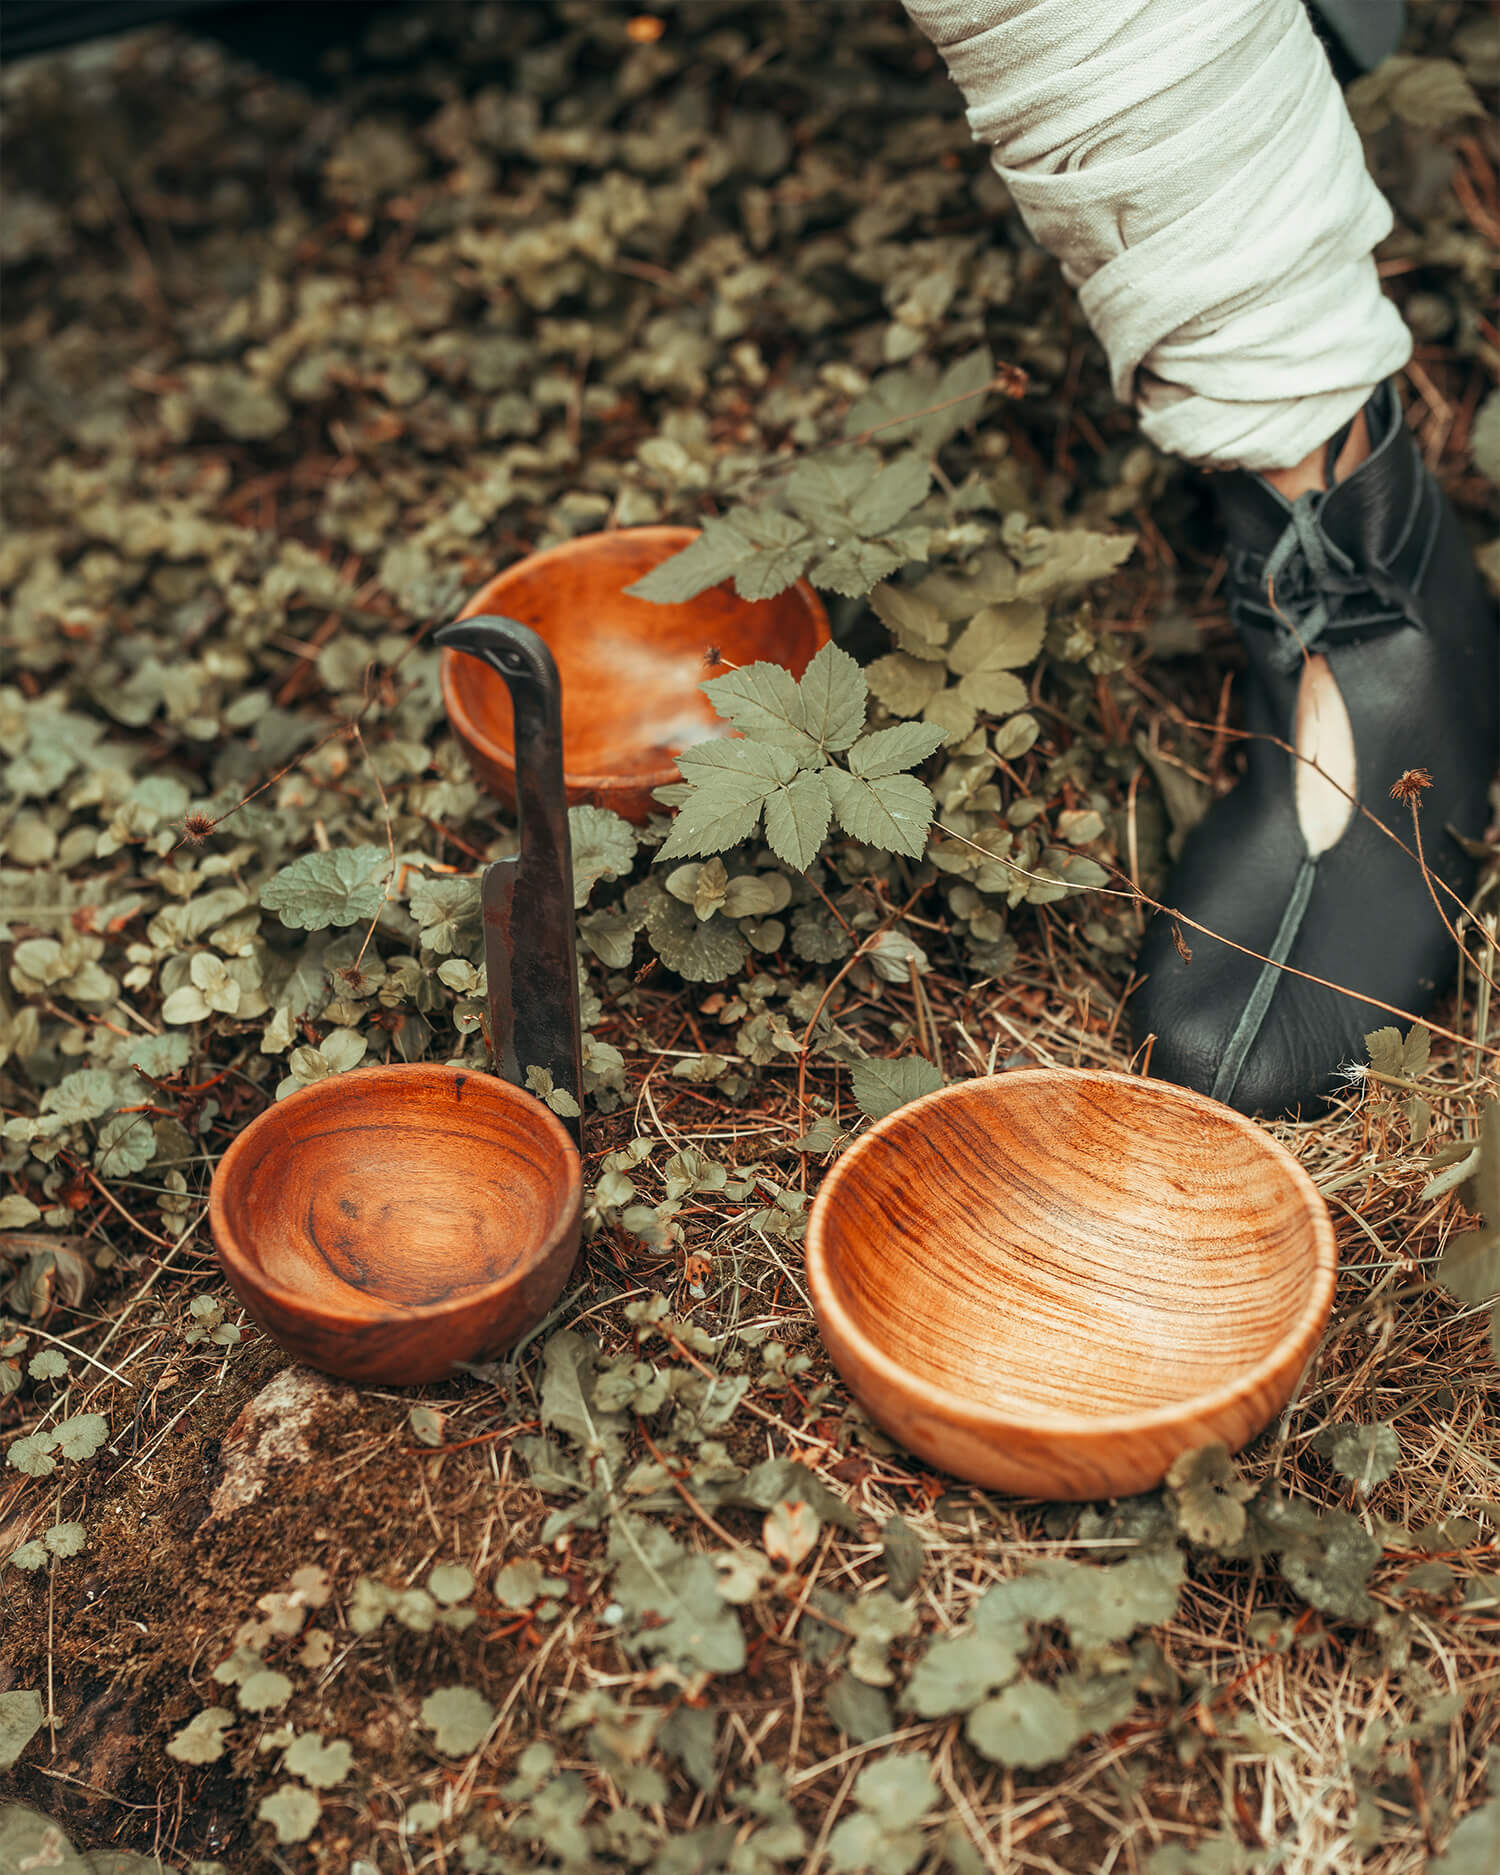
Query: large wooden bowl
[(391, 1223), (1053, 1282), (630, 669)]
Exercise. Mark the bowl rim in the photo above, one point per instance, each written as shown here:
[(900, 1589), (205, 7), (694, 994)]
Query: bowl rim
[(505, 759), (237, 1264), (1296, 1343)]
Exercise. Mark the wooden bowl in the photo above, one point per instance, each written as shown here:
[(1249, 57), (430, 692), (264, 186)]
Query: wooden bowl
[(630, 669), (1053, 1282), (390, 1223)]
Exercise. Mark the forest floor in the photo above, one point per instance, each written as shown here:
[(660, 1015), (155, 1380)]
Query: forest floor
[(288, 373)]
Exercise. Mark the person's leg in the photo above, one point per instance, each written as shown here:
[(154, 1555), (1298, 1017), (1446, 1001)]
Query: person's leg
[(1192, 166)]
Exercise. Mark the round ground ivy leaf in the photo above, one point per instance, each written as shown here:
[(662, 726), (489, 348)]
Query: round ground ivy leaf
[(603, 848), (31, 1555), (458, 1719), (344, 887), (318, 1764), (899, 1789), (292, 1811), (265, 1691), (126, 1144), (33, 1454), (1025, 1727), (82, 1435), (1209, 1496), (450, 1583), (66, 1539), (1365, 1455), (201, 1740)]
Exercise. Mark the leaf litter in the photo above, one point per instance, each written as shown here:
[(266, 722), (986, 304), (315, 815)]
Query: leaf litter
[(281, 391)]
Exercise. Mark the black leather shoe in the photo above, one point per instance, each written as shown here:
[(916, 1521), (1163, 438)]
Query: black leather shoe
[(1375, 575)]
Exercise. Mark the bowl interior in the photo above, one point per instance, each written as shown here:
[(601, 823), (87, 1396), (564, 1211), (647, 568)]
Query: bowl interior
[(630, 669), (394, 1188), (1078, 1246)]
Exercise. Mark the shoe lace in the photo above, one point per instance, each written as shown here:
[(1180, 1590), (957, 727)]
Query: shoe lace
[(1310, 590)]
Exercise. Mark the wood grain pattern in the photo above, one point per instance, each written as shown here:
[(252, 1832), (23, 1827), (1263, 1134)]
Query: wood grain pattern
[(390, 1223), (1052, 1282), (630, 670)]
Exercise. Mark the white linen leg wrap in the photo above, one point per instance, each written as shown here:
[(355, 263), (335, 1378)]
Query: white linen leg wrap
[(1192, 165)]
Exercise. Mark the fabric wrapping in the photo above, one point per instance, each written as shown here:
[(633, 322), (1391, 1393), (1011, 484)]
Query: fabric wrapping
[(1192, 166)]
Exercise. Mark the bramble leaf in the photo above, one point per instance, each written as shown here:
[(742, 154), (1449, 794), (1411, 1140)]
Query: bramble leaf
[(892, 812), (880, 1087), (797, 819)]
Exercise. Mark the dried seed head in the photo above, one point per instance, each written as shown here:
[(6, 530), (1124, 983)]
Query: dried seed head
[(1411, 784), (197, 828)]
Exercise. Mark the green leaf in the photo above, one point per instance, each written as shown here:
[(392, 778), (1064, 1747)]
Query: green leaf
[(915, 622), (876, 1620), (891, 812), (730, 783), (904, 684), (823, 490), (880, 1087), (1470, 1266), (66, 1539), (32, 1454), (1209, 1496), (833, 696), (863, 1712), (783, 549), (265, 1691), (1484, 438), (1025, 1727), (898, 1790), (888, 751), (450, 1583), (899, 487), (201, 1740), (855, 567), (958, 1671), (21, 1718), (82, 1435), (673, 1599), (31, 1555), (1330, 1565), (1365, 1455), (797, 818), (767, 703), (603, 848), (292, 1811), (126, 1144), (764, 551), (699, 950), (1473, 1848), (343, 887), (1383, 1046), (458, 1718), (318, 1764), (1000, 638), (901, 1551), (568, 1383)]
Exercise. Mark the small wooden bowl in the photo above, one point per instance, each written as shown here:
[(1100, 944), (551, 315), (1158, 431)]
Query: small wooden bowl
[(391, 1223), (1053, 1282), (630, 669)]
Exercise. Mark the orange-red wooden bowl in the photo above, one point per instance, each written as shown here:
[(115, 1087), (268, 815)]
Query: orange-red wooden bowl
[(630, 669), (1054, 1282), (390, 1224)]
